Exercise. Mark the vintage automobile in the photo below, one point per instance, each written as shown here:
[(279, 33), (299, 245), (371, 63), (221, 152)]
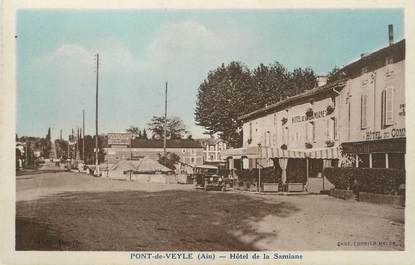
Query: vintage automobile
[(208, 178)]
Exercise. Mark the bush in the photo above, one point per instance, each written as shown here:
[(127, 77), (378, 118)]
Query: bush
[(375, 180), (270, 175)]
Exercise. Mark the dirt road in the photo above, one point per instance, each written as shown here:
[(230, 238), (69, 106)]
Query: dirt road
[(68, 211)]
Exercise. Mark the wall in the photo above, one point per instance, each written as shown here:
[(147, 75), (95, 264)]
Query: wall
[(186, 154), (372, 85), (269, 131)]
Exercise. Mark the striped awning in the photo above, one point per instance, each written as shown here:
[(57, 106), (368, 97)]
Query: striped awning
[(325, 153), (276, 152)]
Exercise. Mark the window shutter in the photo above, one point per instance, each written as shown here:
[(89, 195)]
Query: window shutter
[(382, 109), (363, 103), (389, 106)]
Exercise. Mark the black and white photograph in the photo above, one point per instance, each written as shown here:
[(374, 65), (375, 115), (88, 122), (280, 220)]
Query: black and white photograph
[(210, 134)]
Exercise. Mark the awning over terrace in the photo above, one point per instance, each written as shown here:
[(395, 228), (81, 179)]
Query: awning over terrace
[(276, 152)]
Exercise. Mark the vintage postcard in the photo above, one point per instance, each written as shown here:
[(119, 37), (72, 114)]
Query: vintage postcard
[(254, 132)]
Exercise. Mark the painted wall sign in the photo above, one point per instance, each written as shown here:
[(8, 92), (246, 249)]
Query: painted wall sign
[(316, 115), (393, 133), (119, 138)]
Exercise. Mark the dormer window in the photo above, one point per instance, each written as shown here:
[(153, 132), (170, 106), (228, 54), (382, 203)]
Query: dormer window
[(389, 66), (365, 76)]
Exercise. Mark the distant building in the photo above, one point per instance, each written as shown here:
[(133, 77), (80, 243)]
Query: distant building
[(212, 148), (189, 151)]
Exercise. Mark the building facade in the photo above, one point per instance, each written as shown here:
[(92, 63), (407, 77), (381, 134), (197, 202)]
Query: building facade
[(299, 135), (373, 107), (212, 149), (189, 151), (361, 115)]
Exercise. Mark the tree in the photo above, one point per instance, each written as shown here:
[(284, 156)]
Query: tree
[(222, 97), (134, 130), (270, 83), (335, 74), (169, 160), (144, 135), (232, 90), (175, 128)]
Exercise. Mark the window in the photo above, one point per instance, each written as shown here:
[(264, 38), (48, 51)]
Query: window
[(285, 136), (310, 132), (363, 112), (183, 151), (389, 60), (365, 77), (378, 160), (396, 160), (212, 148), (334, 122), (331, 128), (250, 130), (192, 159), (364, 160), (387, 107), (389, 66), (268, 138)]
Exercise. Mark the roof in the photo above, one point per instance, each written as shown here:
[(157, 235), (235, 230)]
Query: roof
[(315, 92), (177, 143), (375, 59)]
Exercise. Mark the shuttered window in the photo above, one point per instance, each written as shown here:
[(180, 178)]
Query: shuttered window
[(310, 132), (387, 107), (250, 130), (363, 111)]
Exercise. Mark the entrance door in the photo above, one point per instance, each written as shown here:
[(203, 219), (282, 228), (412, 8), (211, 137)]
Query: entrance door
[(296, 170), (315, 166)]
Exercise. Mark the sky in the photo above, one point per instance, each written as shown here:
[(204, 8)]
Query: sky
[(142, 49)]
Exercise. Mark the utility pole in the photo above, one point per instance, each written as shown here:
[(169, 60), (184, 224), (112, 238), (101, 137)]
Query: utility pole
[(96, 119), (165, 122), (83, 136), (60, 135)]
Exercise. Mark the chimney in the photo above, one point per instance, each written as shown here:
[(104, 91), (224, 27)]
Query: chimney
[(321, 80), (390, 33)]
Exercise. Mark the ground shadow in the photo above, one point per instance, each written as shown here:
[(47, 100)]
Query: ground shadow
[(171, 220)]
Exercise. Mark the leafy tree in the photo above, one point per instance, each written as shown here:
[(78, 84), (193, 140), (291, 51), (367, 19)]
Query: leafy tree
[(169, 160), (133, 130), (232, 90), (270, 83), (335, 74), (222, 98), (175, 128), (144, 135)]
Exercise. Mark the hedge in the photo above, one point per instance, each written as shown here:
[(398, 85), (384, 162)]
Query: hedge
[(375, 180), (269, 174)]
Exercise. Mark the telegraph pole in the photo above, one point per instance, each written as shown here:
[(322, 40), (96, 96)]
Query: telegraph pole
[(83, 136), (96, 119), (165, 122)]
